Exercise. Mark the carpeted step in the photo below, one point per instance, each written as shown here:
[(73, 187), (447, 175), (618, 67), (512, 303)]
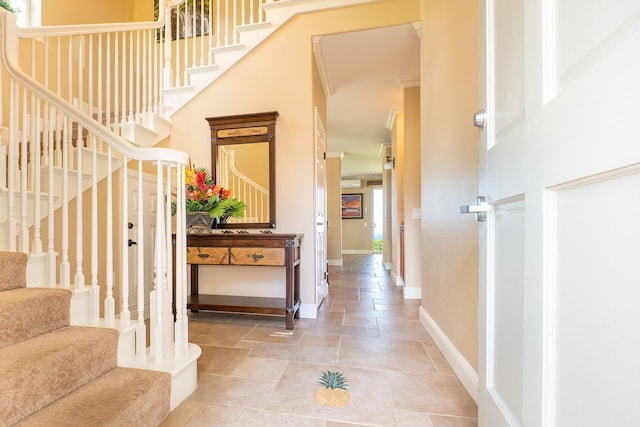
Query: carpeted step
[(40, 370), (121, 397), (13, 270), (29, 312)]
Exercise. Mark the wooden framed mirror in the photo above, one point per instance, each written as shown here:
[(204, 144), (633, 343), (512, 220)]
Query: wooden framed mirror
[(243, 158)]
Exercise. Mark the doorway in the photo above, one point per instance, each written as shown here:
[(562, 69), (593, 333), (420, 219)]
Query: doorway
[(377, 225)]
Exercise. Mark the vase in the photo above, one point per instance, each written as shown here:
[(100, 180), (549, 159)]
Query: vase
[(217, 221), (199, 221)]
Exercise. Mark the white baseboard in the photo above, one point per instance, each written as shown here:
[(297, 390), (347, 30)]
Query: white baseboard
[(396, 279), (412, 292), (357, 251), (387, 266), (308, 311), (465, 373), (335, 262)]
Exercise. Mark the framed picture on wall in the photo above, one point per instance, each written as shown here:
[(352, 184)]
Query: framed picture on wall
[(352, 206)]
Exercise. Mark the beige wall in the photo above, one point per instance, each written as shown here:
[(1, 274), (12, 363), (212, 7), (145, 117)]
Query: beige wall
[(357, 236), (278, 75), (334, 224), (387, 255), (66, 12), (449, 70), (413, 265), (397, 193)]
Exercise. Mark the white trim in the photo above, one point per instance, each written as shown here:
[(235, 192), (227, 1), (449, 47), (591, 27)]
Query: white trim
[(396, 279), (308, 311), (412, 292), (388, 266), (357, 251), (335, 261), (463, 370), (391, 119), (318, 54)]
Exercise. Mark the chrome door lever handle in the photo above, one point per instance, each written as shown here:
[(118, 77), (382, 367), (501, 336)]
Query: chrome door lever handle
[(480, 119), (480, 209)]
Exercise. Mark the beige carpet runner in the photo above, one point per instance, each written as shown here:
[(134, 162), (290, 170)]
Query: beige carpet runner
[(54, 374)]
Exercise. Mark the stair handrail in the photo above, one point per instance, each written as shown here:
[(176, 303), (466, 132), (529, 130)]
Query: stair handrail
[(10, 59), (164, 159)]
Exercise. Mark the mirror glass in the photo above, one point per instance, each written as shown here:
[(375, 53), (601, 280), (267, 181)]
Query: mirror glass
[(243, 159)]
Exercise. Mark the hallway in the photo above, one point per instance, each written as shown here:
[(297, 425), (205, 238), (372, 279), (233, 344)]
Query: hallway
[(253, 372)]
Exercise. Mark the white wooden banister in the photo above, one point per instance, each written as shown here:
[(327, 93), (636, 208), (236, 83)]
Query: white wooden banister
[(40, 119), (73, 99)]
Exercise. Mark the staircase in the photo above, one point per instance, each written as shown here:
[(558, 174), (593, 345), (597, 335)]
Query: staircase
[(82, 110), (51, 372)]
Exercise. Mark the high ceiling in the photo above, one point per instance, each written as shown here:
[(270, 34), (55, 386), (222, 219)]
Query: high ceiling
[(365, 73)]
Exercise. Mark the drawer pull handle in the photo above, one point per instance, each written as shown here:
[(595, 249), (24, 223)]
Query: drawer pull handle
[(203, 256), (257, 257)]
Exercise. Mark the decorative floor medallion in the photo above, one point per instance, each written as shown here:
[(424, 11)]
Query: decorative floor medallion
[(333, 391)]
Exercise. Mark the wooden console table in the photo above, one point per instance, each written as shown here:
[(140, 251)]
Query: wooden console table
[(254, 249)]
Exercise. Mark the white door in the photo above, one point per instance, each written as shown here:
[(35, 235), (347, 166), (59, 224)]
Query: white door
[(560, 250), (146, 218), (322, 288)]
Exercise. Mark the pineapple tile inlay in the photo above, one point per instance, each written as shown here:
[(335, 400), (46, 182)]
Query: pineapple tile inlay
[(333, 391)]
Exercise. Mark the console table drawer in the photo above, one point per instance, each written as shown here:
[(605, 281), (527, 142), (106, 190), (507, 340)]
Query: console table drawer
[(257, 256), (205, 255)]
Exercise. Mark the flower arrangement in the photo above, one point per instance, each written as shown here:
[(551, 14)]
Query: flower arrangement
[(203, 195)]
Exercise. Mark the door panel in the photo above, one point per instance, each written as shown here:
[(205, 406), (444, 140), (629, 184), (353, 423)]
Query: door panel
[(598, 321), (559, 163), (509, 64), (508, 295), (586, 29)]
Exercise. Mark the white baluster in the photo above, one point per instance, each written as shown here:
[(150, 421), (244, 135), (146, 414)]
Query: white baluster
[(159, 270), (24, 226), (139, 82), (94, 295), (11, 173), (169, 36), (51, 250), (65, 269), (131, 117), (78, 279), (141, 329), (125, 314), (36, 245), (201, 34), (167, 76), (168, 249), (219, 29), (123, 100), (185, 42), (116, 87), (109, 303), (233, 23)]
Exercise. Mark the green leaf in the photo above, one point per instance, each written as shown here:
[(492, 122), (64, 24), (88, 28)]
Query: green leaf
[(333, 380)]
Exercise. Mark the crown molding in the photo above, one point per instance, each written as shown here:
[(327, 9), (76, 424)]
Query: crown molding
[(322, 66)]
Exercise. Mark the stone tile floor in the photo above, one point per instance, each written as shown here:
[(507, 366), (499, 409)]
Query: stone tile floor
[(253, 372)]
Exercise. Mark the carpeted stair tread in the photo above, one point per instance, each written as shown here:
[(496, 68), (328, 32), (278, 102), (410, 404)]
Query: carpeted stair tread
[(13, 266), (40, 370), (29, 312), (121, 397)]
